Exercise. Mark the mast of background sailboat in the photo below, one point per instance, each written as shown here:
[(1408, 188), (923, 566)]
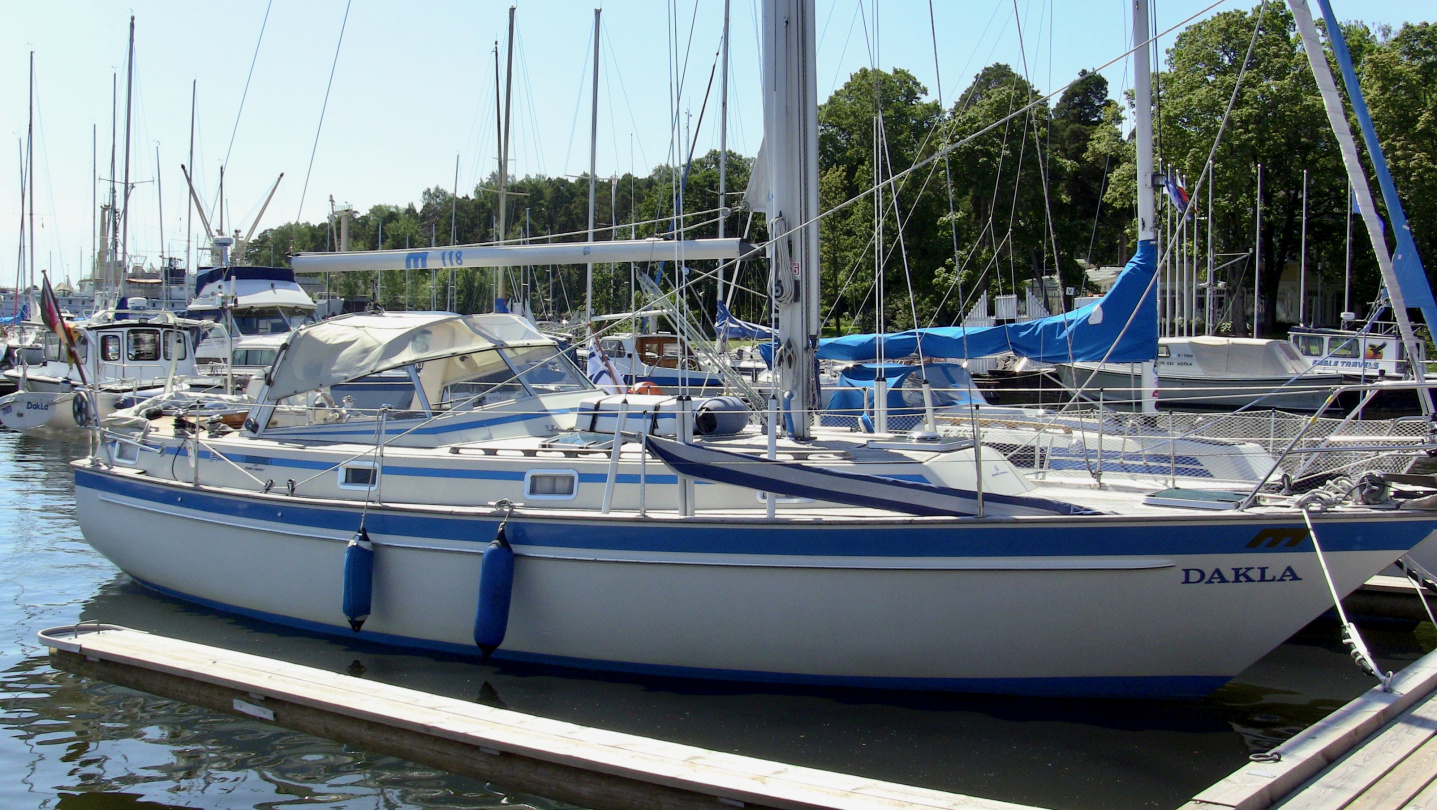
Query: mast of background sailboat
[(160, 196), (501, 303), (125, 212), (94, 194), (723, 163), (593, 170), (189, 205), (30, 171)]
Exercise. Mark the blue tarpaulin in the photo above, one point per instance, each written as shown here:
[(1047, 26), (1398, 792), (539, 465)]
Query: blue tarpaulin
[(734, 329), (11, 320), (1121, 327)]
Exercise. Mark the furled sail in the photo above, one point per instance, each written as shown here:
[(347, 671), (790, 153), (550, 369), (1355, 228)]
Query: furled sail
[(1121, 327)]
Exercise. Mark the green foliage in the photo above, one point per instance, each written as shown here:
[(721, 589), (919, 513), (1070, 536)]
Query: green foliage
[(1033, 191)]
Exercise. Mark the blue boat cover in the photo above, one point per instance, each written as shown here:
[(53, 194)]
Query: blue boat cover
[(11, 320), (734, 329), (1122, 327)]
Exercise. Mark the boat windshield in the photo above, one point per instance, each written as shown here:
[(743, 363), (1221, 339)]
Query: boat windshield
[(495, 375), (270, 320)]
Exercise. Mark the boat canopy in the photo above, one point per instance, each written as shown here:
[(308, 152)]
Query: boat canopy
[(1229, 357), (1121, 327), (351, 346)]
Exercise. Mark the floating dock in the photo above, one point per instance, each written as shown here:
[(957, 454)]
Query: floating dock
[(1375, 753), (571, 763)]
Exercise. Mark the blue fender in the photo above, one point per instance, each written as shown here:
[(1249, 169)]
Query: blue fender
[(358, 579), (496, 586)]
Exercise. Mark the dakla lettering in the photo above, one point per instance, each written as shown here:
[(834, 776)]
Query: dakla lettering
[(1251, 573)]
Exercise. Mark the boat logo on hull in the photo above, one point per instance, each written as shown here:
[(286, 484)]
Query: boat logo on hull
[(1274, 538)]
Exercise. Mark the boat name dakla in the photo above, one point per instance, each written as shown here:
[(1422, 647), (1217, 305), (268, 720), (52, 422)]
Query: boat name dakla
[(1196, 576)]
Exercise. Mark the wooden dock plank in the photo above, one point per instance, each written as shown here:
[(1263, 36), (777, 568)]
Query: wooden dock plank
[(1259, 785), (1403, 783), (1369, 764), (590, 767), (1426, 800)]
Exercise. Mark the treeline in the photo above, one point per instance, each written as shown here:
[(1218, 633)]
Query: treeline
[(1015, 189)]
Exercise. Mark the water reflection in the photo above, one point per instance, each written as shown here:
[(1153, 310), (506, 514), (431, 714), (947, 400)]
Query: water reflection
[(73, 743)]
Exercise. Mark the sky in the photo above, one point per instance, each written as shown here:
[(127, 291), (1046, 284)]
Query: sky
[(413, 94)]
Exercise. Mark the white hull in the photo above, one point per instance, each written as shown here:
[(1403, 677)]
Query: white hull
[(712, 597)]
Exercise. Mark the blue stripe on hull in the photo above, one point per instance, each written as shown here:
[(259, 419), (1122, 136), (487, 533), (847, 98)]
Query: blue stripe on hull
[(1127, 687), (1249, 535)]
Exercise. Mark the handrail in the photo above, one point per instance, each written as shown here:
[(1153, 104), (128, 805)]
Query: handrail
[(1402, 385)]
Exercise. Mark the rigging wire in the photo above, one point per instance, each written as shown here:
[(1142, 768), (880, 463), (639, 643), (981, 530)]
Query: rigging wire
[(325, 106), (244, 95)]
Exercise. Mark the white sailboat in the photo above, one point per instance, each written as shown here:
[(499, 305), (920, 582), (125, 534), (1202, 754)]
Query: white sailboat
[(496, 503)]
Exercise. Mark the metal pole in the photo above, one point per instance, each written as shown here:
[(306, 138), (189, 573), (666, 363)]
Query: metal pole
[(723, 161), (30, 151), (453, 233), (1302, 262), (189, 204), (593, 169), (1347, 272), (1211, 310), (1257, 260), (501, 299), (125, 212)]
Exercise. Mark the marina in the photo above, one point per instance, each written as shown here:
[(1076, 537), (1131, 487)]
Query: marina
[(346, 513)]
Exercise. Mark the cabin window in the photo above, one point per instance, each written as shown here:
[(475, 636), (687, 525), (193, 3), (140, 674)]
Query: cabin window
[(551, 485), (175, 348), (1164, 351), (110, 348), (613, 348), (357, 476), (53, 353), (1343, 348), (1309, 345), (144, 345)]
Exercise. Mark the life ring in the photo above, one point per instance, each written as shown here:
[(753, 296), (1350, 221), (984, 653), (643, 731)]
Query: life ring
[(646, 387)]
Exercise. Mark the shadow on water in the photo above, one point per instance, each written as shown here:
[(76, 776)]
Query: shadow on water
[(80, 744)]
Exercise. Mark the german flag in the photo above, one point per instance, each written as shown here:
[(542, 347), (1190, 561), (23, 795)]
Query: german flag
[(54, 320)]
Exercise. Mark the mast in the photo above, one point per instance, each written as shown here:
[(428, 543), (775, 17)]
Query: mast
[(723, 163), (94, 192), (1257, 258), (501, 302), (593, 171), (1302, 260), (790, 117), (125, 211), (164, 266), (189, 206), (1147, 207), (30, 171)]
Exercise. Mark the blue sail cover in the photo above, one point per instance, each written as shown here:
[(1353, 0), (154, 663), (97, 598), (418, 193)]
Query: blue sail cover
[(734, 329), (1122, 327)]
